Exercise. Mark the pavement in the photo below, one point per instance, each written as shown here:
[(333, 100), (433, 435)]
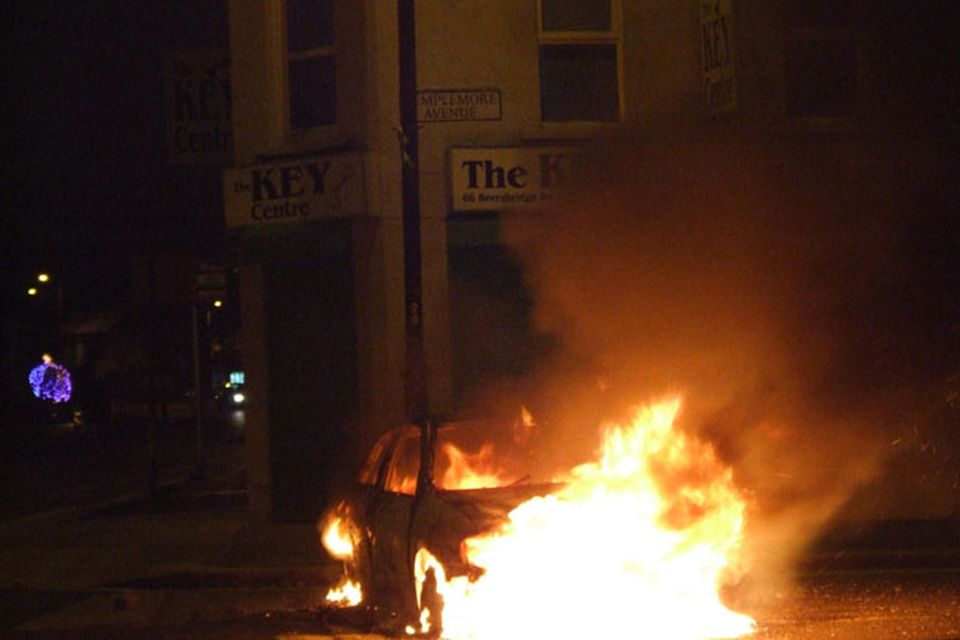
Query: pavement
[(191, 562)]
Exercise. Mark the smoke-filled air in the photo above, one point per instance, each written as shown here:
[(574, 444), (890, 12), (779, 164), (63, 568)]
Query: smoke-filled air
[(791, 302)]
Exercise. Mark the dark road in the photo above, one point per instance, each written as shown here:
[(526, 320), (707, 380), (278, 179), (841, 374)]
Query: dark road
[(923, 605), (47, 466)]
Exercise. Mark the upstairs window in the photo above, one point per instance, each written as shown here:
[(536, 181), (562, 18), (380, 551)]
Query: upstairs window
[(820, 59), (311, 64), (579, 60)]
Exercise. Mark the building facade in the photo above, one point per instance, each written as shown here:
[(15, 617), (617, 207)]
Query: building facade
[(507, 92)]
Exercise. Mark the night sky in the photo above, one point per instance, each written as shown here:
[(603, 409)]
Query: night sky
[(86, 182)]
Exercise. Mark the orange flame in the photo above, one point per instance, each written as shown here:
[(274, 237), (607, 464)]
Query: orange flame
[(338, 542), (346, 594), (643, 538), (471, 470)]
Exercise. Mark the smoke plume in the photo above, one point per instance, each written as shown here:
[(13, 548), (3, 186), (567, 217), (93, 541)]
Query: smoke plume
[(774, 284)]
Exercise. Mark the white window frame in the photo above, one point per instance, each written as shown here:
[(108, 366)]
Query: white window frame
[(614, 36)]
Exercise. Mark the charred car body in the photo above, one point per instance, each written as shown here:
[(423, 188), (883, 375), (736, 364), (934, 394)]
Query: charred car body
[(475, 473)]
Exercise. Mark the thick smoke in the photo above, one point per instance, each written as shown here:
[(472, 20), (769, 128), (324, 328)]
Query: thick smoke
[(781, 288)]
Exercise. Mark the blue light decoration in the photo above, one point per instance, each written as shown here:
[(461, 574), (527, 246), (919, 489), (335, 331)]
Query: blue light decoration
[(51, 381)]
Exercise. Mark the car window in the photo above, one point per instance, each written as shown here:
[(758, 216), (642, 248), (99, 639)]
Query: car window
[(370, 472), (469, 455), (477, 455), (402, 470)]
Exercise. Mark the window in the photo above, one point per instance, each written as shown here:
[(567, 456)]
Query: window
[(820, 59), (481, 454), (373, 467), (579, 61), (311, 64)]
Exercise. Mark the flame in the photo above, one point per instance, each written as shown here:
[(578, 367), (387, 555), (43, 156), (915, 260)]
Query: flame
[(526, 417), (462, 470), (338, 542), (336, 539), (637, 543), (471, 470), (346, 594)]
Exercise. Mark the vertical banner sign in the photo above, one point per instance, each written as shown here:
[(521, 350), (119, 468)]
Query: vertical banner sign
[(719, 72), (197, 87)]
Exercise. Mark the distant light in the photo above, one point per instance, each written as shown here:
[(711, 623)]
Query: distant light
[(237, 377), (238, 398), (218, 303), (43, 277), (32, 291)]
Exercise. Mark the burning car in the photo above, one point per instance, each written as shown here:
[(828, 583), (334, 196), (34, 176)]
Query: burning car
[(471, 542), (480, 471)]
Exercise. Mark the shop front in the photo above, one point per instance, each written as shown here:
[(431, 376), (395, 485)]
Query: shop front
[(301, 239)]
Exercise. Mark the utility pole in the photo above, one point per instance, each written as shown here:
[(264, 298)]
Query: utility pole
[(418, 403), (416, 379), (197, 387), (153, 378)]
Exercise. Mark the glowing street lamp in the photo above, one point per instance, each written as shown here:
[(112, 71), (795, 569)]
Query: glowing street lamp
[(45, 278)]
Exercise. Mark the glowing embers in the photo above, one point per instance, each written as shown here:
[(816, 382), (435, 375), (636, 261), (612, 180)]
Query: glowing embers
[(50, 381), (643, 538), (337, 539)]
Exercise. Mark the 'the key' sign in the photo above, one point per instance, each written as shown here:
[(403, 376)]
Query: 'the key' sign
[(492, 178)]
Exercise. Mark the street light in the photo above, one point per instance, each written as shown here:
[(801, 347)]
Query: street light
[(46, 279)]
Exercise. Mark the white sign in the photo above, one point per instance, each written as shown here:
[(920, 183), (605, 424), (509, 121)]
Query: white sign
[(485, 179), (458, 105), (211, 282), (719, 71), (199, 130), (296, 191)]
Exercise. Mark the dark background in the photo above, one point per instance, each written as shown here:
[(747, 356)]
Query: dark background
[(88, 194), (86, 178)]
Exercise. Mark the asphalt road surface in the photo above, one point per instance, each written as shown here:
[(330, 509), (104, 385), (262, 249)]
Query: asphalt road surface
[(902, 605), (46, 466), (898, 605)]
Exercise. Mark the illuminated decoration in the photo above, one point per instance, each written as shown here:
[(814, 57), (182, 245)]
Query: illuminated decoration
[(237, 377), (51, 381)]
